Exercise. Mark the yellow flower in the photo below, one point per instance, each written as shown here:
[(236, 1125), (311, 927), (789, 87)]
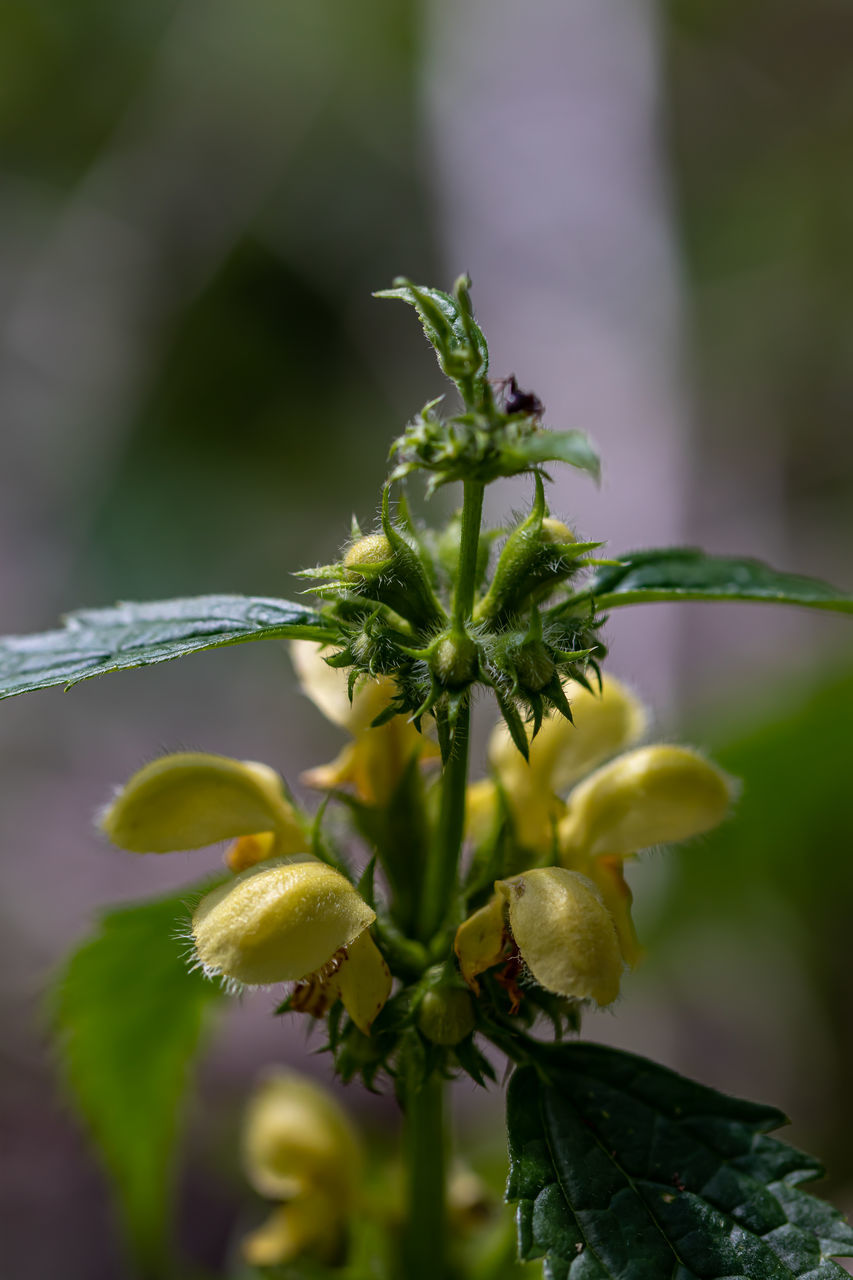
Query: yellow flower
[(563, 932), (654, 795), (649, 796), (294, 921), (375, 762), (300, 1147), (190, 799), (560, 753), (646, 796)]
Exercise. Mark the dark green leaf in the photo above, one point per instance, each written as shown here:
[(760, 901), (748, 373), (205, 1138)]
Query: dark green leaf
[(624, 1170), (95, 641), (686, 573), (572, 447), (129, 1016)]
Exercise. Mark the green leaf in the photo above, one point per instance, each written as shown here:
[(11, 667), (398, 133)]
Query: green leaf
[(572, 447), (686, 573), (624, 1170), (95, 641), (129, 1016), (449, 325)]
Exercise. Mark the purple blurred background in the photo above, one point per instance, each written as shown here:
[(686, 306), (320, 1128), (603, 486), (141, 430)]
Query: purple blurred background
[(197, 198)]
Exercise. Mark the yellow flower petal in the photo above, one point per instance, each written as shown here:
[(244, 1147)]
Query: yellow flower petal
[(608, 876), (481, 809), (654, 795), (190, 799), (310, 1224), (328, 688), (480, 941), (277, 922), (375, 763), (296, 1136), (248, 851), (364, 981), (564, 932)]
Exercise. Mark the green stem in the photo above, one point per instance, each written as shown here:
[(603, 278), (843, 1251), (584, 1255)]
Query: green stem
[(440, 870), (425, 1156), (466, 578), (442, 864)]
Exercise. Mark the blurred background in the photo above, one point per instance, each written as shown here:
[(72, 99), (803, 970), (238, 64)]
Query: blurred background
[(197, 389)]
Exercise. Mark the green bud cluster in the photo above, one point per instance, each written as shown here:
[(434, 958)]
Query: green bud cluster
[(395, 593), (391, 595), (487, 440)]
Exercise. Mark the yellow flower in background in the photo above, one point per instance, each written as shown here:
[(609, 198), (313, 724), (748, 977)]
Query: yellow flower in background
[(294, 921), (190, 799), (300, 1147), (560, 753), (375, 762), (561, 927)]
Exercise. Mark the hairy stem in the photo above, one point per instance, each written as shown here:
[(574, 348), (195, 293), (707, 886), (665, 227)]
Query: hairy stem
[(466, 578), (441, 867), (425, 1156)]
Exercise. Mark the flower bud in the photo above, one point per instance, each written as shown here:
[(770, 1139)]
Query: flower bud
[(653, 795), (454, 660), (556, 533), (368, 555), (564, 933), (514, 575), (446, 1015), (277, 922), (295, 1136), (190, 799)]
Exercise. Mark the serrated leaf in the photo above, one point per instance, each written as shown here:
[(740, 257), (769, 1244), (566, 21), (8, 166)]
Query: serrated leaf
[(624, 1170), (129, 1017), (687, 573), (572, 447), (96, 641)]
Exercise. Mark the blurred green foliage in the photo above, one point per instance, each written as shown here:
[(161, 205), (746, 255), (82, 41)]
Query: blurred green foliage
[(783, 865), (129, 1017)]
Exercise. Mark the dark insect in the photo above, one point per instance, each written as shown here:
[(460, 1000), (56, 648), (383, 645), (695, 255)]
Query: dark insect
[(517, 401)]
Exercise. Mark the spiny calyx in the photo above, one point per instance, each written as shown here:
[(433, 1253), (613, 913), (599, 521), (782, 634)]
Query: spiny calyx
[(392, 596)]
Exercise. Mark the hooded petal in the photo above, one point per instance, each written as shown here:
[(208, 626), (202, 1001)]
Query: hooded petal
[(654, 795), (277, 922), (190, 799), (296, 1136), (564, 932)]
